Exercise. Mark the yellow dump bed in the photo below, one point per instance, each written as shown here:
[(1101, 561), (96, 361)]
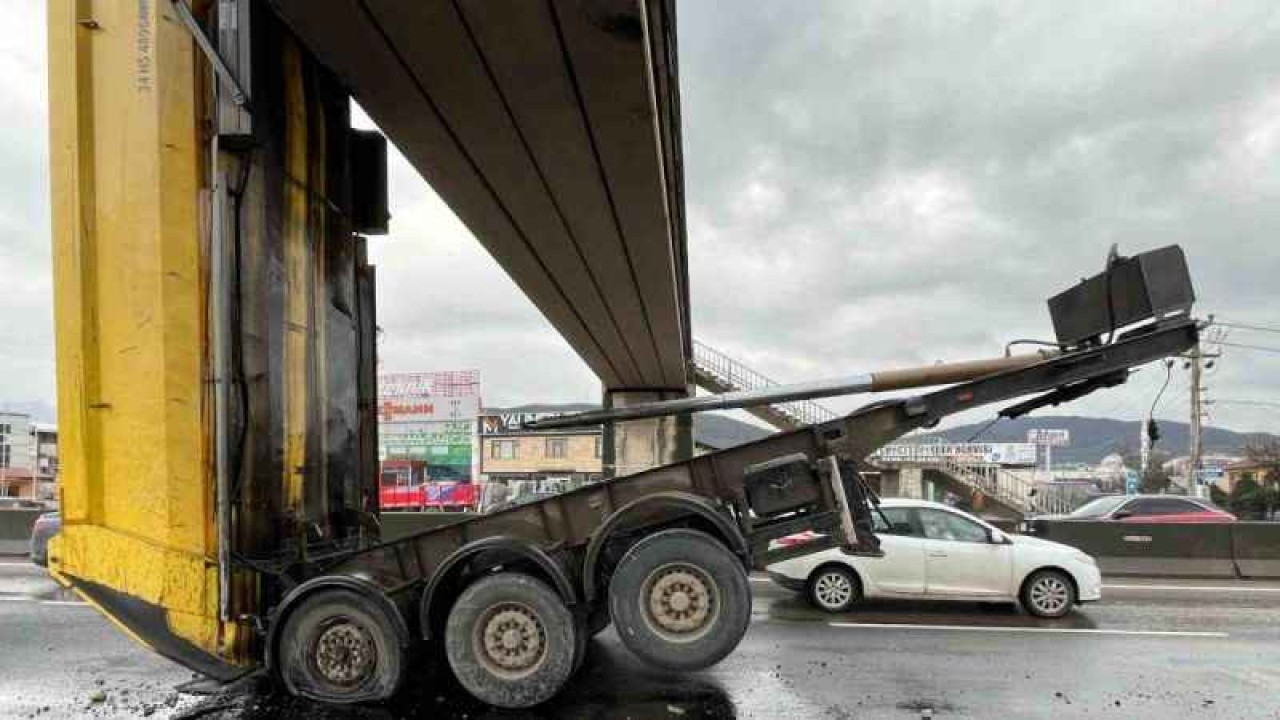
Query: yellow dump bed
[(132, 113)]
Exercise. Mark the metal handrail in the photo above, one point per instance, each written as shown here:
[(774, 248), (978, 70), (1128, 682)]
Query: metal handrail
[(734, 375), (1006, 487)]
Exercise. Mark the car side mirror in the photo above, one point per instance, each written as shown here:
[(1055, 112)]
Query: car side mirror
[(997, 537), (1121, 514)]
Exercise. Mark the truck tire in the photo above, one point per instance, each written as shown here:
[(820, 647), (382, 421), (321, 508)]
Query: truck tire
[(598, 620), (511, 641), (338, 646), (680, 600)]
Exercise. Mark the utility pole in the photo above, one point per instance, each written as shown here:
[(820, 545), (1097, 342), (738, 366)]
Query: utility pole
[(1196, 413), (1195, 359), (1144, 445)]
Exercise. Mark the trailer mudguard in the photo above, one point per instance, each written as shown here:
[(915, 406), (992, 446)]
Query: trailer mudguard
[(522, 549), (679, 502)]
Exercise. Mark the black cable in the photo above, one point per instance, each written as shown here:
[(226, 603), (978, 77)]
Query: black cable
[(1259, 403), (983, 429), (1243, 346), (1246, 326), (1168, 376), (236, 194)]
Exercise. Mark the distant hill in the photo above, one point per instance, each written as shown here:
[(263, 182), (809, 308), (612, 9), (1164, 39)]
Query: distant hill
[(38, 411), (1094, 438)]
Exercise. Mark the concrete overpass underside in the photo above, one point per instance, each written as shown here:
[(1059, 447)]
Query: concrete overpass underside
[(552, 129)]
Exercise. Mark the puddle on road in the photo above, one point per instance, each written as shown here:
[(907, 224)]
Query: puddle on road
[(610, 686), (926, 613)]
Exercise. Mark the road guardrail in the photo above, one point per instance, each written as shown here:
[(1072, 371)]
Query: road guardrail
[(15, 529)]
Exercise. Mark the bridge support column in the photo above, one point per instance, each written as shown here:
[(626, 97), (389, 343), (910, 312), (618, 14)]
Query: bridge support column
[(911, 483), (635, 445)]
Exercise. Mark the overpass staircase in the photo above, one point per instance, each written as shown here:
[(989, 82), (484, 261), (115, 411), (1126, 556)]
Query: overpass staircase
[(716, 372), (1020, 495)]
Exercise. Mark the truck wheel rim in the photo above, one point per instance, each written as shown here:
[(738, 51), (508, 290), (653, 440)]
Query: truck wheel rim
[(511, 640), (833, 590), (344, 654), (1049, 595), (680, 602)]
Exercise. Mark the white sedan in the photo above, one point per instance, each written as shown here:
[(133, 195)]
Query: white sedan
[(935, 552)]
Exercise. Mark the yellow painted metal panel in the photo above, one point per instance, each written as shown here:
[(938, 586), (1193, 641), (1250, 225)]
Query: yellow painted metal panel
[(129, 267)]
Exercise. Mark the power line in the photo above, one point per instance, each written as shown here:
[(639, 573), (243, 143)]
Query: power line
[(1246, 326), (1263, 403), (1243, 346)]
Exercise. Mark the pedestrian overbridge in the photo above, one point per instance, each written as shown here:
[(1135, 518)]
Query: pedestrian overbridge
[(552, 129)]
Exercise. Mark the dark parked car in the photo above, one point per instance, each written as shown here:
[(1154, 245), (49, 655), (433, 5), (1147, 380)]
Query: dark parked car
[(46, 526), (1151, 509)]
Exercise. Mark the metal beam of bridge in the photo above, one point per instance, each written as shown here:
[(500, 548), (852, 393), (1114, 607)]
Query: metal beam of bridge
[(552, 129)]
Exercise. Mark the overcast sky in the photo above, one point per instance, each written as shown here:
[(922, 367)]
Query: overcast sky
[(869, 185)]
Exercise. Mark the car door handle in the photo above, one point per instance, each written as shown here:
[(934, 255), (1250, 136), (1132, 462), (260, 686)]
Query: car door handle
[(937, 553)]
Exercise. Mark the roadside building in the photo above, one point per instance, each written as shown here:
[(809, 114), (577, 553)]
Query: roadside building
[(1213, 470), (46, 464), (1243, 470), (518, 465), (28, 458), (537, 461), (429, 418), (427, 439)]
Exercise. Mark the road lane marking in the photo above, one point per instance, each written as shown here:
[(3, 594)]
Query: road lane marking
[(19, 598), (996, 628), (1193, 588), (759, 579)]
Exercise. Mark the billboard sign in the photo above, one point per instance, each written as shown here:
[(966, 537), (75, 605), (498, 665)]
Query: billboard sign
[(507, 423), (432, 433), (434, 454), (427, 408), (1210, 475), (446, 383), (990, 453), (1050, 438)]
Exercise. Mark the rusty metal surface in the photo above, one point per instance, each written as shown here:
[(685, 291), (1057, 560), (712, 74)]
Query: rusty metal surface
[(564, 523)]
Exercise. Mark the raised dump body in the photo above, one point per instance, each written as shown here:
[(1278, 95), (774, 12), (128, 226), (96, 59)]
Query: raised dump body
[(215, 339)]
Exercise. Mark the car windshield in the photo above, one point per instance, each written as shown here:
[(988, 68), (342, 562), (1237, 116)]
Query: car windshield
[(1098, 507)]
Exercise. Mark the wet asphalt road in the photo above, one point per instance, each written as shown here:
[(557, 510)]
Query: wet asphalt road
[(1149, 650)]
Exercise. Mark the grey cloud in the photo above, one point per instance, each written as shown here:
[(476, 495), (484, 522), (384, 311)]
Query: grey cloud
[(896, 183), (869, 184)]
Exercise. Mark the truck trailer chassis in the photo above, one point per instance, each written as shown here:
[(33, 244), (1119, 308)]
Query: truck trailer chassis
[(513, 596)]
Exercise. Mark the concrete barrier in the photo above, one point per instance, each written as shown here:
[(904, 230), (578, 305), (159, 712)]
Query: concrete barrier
[(1191, 550), (1256, 546), (396, 525), (16, 523)]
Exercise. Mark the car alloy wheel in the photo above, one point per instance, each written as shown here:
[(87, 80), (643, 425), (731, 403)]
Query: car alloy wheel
[(834, 589), (1049, 595)]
